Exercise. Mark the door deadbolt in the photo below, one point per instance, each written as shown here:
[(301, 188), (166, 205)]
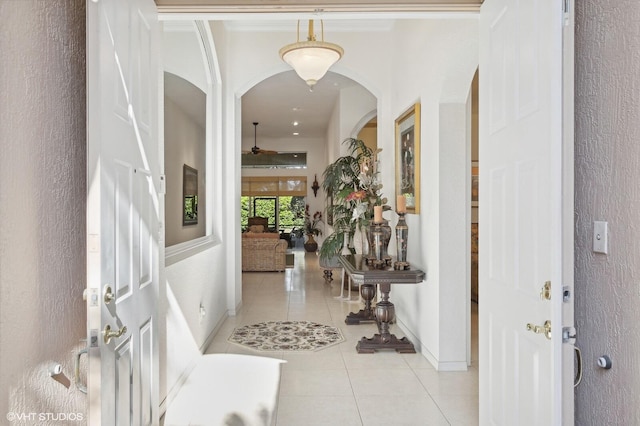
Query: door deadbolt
[(541, 329), (108, 294), (110, 334), (545, 293)]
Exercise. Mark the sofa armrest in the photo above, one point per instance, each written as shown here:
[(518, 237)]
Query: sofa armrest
[(282, 246), (264, 254)]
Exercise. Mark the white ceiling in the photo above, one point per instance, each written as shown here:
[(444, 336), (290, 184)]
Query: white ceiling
[(279, 101), (314, 6), (284, 98)]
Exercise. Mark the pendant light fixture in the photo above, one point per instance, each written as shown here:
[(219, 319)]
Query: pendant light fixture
[(311, 59)]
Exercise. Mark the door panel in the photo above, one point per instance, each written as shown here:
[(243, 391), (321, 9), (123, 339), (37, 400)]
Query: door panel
[(144, 193), (528, 58), (498, 257), (529, 403), (528, 223), (146, 373), (497, 362), (123, 371), (123, 210), (521, 215)]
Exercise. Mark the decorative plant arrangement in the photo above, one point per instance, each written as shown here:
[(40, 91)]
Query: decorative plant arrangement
[(354, 182), (312, 228)]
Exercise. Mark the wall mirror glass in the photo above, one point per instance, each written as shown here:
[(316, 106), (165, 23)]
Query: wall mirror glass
[(190, 196)]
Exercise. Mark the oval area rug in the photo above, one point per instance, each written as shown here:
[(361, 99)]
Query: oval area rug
[(286, 336)]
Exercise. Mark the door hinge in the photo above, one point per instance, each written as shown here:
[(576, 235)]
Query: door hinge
[(566, 9)]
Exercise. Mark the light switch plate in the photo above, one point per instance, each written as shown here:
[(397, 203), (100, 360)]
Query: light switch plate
[(600, 237)]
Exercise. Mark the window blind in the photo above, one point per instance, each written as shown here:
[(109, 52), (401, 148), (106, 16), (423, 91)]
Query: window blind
[(253, 186)]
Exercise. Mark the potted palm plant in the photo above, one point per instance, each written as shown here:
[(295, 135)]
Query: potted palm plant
[(354, 184)]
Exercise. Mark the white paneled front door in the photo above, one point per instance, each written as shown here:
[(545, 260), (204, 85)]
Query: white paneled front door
[(522, 212), (123, 211)]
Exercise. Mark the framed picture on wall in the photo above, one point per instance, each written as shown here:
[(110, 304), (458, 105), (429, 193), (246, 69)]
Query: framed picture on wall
[(330, 208), (190, 195), (407, 131), (475, 176)]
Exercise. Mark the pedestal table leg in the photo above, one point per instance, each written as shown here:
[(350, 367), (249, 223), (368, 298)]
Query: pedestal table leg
[(385, 314), (368, 292)]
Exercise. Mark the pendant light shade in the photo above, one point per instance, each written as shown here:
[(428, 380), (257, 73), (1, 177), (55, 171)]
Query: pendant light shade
[(311, 59)]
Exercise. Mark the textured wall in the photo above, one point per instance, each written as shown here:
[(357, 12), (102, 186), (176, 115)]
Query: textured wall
[(42, 207), (608, 188)]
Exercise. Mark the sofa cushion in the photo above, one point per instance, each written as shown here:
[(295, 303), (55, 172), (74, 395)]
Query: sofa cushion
[(268, 235), (256, 228)]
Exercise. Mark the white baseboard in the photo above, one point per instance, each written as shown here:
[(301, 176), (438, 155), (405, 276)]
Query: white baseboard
[(175, 389), (173, 392), (214, 332), (438, 365)]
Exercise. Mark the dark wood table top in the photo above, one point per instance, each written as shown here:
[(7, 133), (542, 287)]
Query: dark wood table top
[(361, 273)]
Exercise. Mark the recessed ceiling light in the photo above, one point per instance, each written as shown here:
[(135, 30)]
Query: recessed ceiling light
[(295, 108), (295, 133), (295, 123)]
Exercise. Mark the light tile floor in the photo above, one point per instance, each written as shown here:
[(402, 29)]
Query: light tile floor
[(336, 385)]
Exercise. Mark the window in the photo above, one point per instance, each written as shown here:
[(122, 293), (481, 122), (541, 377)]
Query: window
[(285, 213), (274, 185), (276, 160)]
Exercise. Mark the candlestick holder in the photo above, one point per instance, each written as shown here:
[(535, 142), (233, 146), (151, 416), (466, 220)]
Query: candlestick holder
[(378, 249), (377, 245), (379, 234), (402, 235)]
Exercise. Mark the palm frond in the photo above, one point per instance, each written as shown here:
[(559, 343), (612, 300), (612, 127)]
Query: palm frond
[(331, 246), (340, 179)]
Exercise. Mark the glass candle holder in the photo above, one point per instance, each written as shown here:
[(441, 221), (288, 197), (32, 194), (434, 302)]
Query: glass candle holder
[(402, 235)]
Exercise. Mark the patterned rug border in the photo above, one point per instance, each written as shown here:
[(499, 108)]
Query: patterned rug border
[(271, 336)]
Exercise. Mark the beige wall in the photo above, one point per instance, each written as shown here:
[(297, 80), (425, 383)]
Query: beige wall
[(369, 134), (607, 160), (184, 143), (42, 205)]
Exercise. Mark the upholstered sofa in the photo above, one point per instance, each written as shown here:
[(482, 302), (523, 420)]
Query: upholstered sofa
[(263, 251)]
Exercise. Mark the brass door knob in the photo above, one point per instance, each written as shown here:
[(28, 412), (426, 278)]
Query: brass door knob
[(110, 334), (541, 329)]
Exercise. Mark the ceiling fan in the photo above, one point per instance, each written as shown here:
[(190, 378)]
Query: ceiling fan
[(255, 149)]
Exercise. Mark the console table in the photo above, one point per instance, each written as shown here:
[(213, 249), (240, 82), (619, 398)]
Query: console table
[(367, 276)]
